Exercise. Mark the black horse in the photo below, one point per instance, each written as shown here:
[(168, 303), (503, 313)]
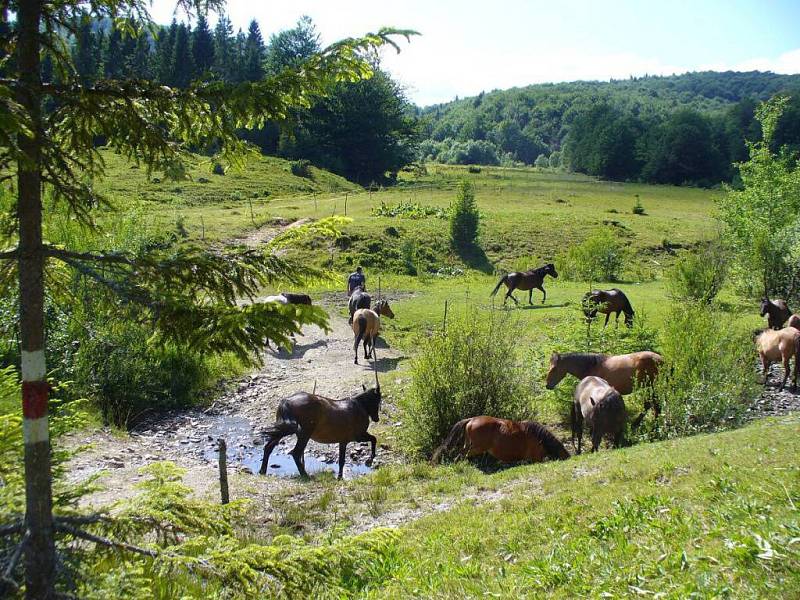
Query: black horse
[(526, 281), (607, 302), (358, 299), (777, 312)]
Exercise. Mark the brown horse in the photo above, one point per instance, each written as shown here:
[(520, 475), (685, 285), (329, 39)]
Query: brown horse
[(327, 421), (777, 312), (607, 302), (623, 371), (527, 282), (508, 441), (366, 326), (604, 410), (782, 344)]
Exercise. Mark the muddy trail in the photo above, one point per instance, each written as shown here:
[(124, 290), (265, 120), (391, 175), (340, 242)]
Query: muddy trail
[(189, 438)]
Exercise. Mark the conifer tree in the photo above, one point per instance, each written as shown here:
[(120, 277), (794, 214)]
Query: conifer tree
[(182, 63), (223, 49), (254, 53), (202, 47)]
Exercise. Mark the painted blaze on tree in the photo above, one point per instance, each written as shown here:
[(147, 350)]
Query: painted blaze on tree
[(188, 292)]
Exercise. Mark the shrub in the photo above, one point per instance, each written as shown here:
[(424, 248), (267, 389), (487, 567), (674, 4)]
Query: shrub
[(601, 257), (464, 217), (218, 169), (474, 169), (300, 168), (638, 207), (542, 162), (468, 370), (698, 276), (708, 382)]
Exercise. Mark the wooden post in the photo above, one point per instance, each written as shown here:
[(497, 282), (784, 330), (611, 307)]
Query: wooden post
[(345, 203), (202, 228), (379, 287), (223, 470), (315, 203), (444, 321), (252, 216)]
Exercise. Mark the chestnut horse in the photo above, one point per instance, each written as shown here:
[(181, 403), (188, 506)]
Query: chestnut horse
[(526, 281), (622, 371), (327, 421), (604, 410), (508, 441), (777, 312), (366, 325), (779, 345), (607, 302)]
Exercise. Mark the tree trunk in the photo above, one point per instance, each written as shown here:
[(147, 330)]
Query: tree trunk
[(40, 548)]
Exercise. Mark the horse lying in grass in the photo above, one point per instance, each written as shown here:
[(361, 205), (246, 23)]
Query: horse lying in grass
[(508, 441), (776, 311), (527, 282), (779, 345), (603, 409), (324, 420), (607, 302), (366, 326), (624, 372)]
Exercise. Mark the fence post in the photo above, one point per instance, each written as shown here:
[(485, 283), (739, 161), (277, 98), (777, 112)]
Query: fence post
[(444, 322), (345, 203), (223, 470)]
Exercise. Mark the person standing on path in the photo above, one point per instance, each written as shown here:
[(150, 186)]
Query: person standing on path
[(357, 279)]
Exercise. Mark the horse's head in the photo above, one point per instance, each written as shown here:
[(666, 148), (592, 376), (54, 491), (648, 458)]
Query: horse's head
[(765, 304), (589, 304), (383, 309), (551, 270), (629, 318), (556, 371), (370, 400)]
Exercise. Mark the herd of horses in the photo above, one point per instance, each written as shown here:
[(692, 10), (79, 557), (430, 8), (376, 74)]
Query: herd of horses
[(603, 381)]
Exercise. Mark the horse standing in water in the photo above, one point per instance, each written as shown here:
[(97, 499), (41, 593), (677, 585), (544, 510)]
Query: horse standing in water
[(508, 441), (527, 282), (607, 302), (324, 420), (358, 299), (780, 345), (777, 312), (604, 410), (366, 326), (623, 371)]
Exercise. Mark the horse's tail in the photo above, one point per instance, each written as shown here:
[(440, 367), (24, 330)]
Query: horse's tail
[(455, 440), (285, 424), (503, 279), (554, 448), (361, 322)]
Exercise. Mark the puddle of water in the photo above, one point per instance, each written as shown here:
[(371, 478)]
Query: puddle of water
[(239, 437)]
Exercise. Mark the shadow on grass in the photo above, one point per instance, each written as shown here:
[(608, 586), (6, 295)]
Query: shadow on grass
[(474, 257)]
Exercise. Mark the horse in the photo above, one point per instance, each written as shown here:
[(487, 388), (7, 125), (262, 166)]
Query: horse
[(781, 344), (288, 298), (794, 321), (526, 281), (604, 410), (324, 420), (622, 371), (366, 324), (508, 441), (777, 312), (607, 302), (358, 299)]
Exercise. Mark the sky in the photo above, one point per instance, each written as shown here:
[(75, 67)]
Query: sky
[(467, 46)]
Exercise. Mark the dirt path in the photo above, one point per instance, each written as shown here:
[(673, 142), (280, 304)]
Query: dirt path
[(188, 438)]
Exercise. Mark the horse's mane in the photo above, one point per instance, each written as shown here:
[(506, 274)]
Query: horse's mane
[(591, 358), (369, 397), (554, 448)]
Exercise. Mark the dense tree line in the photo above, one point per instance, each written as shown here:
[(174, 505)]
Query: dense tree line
[(365, 131), (679, 129)]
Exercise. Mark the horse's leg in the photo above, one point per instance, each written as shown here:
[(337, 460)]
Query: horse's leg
[(619, 439), (608, 316), (342, 452), (508, 295), (579, 428), (530, 296), (368, 437), (765, 367), (785, 372), (544, 293), (298, 452), (596, 438), (268, 448)]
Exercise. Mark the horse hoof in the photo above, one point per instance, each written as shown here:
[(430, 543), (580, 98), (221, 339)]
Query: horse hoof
[(368, 462)]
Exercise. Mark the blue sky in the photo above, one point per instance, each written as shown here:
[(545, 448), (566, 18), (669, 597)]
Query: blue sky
[(468, 46)]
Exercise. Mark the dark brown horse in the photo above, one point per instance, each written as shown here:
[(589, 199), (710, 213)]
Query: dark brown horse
[(508, 441), (358, 299), (607, 302), (603, 409), (527, 282), (327, 421), (777, 312)]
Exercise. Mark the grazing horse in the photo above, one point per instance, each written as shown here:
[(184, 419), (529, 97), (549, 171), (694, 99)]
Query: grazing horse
[(782, 344), (367, 324), (358, 299), (604, 410), (607, 302), (508, 441), (526, 281), (623, 371), (777, 312), (327, 421)]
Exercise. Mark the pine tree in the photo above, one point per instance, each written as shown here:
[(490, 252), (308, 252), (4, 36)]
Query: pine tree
[(86, 51), (202, 47), (165, 50), (254, 54), (223, 49), (113, 62), (182, 63), (140, 63)]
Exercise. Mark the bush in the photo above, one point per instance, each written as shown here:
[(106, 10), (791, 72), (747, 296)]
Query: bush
[(468, 370), (464, 217), (218, 169), (542, 162), (601, 257), (708, 382), (698, 276), (300, 168), (474, 169), (638, 207)]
